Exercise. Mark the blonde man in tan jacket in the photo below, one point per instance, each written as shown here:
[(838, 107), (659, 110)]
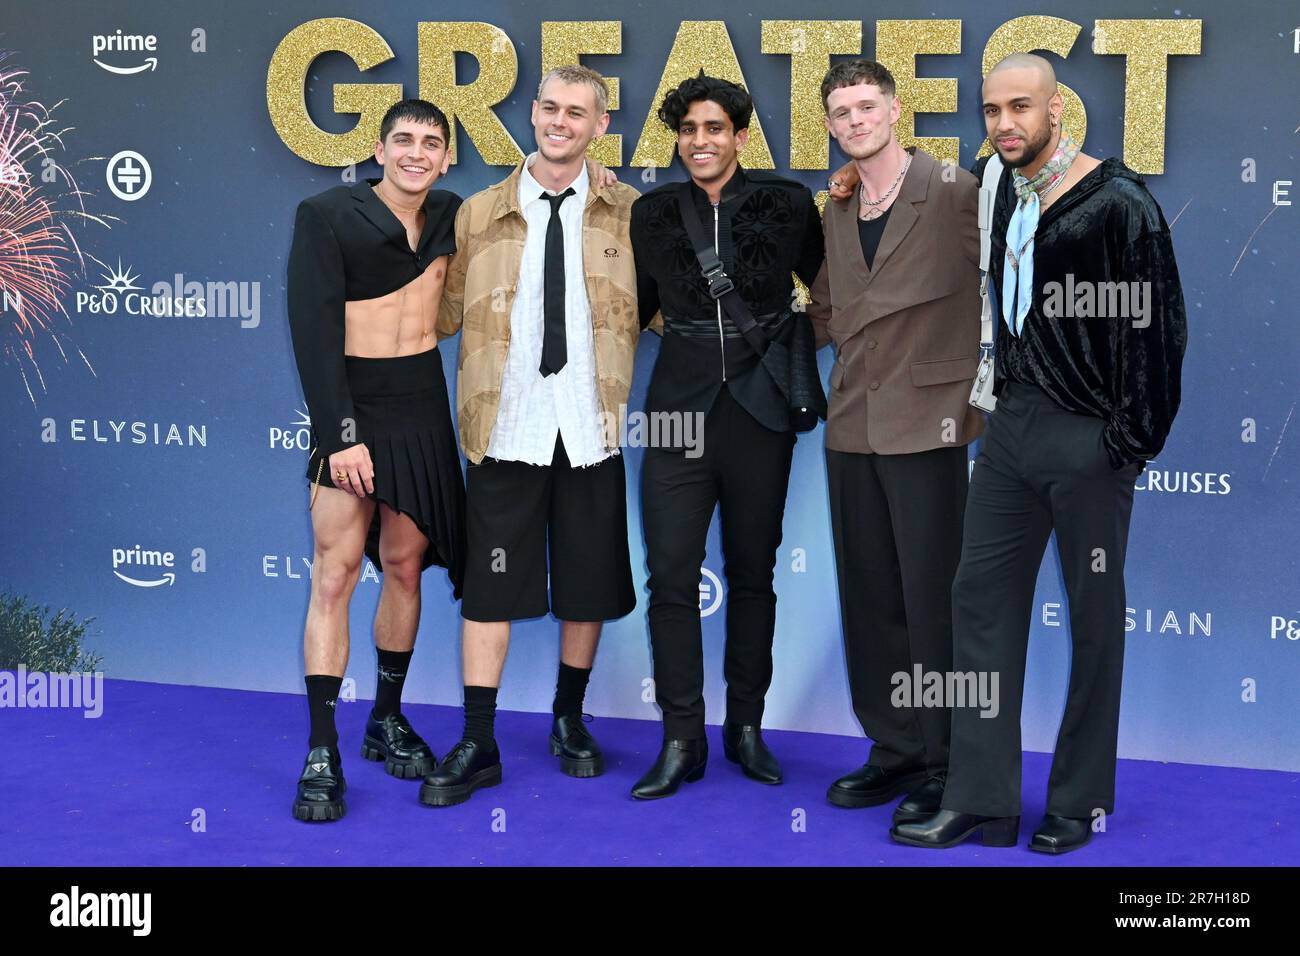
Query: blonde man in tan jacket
[(543, 291)]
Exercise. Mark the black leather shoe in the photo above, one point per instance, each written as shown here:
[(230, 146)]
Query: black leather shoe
[(1061, 834), (870, 786), (321, 787), (470, 765), (926, 800), (743, 744), (949, 827), (678, 760), (578, 751), (403, 751)]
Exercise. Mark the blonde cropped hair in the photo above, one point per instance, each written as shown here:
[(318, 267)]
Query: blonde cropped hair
[(576, 73)]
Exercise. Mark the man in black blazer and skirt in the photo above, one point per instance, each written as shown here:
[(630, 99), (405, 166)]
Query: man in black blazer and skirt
[(365, 280)]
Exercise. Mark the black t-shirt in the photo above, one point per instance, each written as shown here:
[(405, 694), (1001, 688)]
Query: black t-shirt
[(869, 233)]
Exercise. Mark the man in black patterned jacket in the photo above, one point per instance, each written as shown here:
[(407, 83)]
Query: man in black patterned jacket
[(763, 228)]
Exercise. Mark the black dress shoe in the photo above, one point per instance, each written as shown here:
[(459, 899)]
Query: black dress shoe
[(403, 751), (870, 786), (743, 744), (949, 827), (926, 800), (578, 751), (678, 760), (1061, 834), (321, 787), (470, 765)]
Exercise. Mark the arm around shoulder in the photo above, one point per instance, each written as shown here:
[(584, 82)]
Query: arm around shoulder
[(451, 311)]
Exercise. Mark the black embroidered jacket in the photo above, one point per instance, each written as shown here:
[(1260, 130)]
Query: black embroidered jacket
[(764, 228)]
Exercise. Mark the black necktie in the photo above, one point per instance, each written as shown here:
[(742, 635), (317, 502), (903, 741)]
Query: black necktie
[(554, 351)]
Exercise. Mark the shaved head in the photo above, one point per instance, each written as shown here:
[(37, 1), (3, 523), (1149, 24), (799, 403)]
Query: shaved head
[(1041, 74), (1022, 110)]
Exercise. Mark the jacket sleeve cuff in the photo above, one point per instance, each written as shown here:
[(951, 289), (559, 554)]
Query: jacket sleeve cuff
[(330, 440)]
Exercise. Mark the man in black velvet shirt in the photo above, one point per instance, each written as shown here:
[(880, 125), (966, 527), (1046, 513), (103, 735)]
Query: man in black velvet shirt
[(762, 227), (1091, 334)]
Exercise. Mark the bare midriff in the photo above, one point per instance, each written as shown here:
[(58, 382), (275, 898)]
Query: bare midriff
[(399, 323)]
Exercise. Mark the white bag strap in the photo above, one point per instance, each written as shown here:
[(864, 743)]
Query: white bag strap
[(988, 199)]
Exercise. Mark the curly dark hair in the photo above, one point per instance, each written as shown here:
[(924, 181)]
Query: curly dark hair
[(734, 100), (422, 111)]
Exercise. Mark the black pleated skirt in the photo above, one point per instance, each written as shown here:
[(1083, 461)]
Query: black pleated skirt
[(404, 419)]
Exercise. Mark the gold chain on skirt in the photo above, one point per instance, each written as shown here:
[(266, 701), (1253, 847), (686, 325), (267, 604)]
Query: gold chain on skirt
[(316, 484)]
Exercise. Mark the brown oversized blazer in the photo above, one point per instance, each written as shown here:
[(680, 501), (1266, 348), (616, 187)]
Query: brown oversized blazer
[(907, 331)]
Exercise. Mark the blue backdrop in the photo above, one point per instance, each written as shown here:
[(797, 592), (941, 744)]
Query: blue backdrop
[(94, 469)]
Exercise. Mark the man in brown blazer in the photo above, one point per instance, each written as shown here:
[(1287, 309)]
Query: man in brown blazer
[(899, 296)]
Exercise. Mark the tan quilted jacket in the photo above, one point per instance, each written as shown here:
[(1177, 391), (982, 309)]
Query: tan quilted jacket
[(480, 291)]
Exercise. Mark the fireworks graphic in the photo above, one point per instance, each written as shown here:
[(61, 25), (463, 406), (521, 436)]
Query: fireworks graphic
[(39, 253)]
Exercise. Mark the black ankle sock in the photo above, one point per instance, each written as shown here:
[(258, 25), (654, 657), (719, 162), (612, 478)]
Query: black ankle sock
[(570, 689), (480, 713), (322, 694), (388, 685)]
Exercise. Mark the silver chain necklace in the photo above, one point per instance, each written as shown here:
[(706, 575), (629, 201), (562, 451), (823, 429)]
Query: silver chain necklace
[(871, 207)]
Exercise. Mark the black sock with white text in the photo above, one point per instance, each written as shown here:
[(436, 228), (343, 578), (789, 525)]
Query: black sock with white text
[(322, 696)]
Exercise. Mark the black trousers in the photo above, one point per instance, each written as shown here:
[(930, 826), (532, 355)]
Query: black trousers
[(1040, 469), (897, 524), (745, 468)]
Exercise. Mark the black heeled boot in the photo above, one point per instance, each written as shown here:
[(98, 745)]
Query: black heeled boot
[(947, 828), (1057, 834), (678, 760), (743, 744)]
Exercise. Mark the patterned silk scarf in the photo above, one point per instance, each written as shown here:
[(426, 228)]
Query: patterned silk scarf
[(1018, 280)]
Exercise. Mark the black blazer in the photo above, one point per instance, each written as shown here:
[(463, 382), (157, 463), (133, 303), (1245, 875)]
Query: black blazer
[(347, 245)]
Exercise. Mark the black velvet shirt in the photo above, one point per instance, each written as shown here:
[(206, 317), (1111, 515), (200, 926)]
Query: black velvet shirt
[(348, 245), (1125, 369), (767, 227)]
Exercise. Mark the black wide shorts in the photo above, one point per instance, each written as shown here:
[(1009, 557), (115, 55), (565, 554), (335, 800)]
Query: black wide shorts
[(517, 514)]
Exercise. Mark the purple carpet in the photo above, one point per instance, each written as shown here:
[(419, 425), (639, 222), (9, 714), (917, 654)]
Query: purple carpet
[(123, 790)]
